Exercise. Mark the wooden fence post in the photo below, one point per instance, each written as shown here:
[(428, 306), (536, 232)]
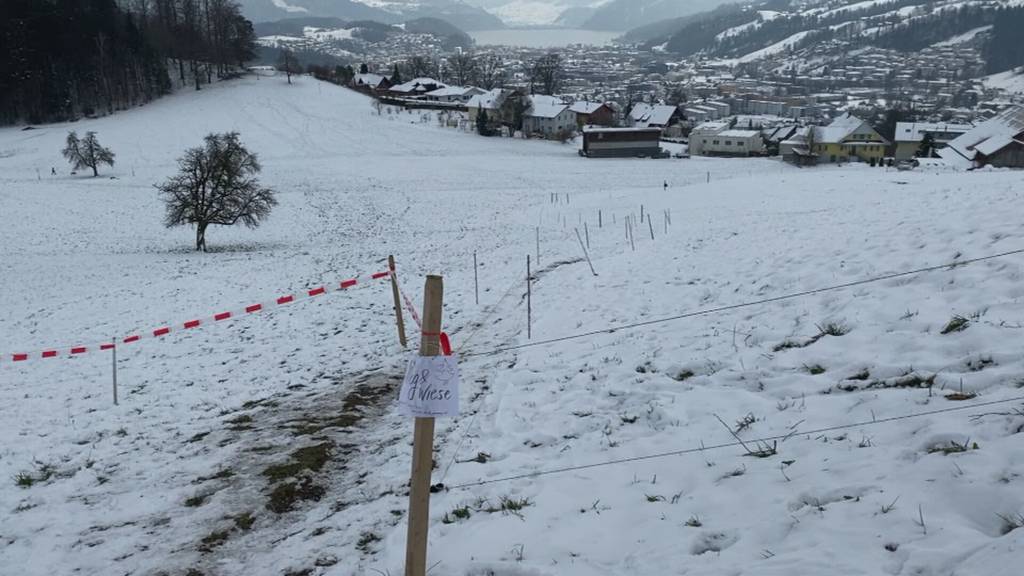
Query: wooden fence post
[(476, 280), (650, 225), (529, 301), (599, 219), (398, 304), (423, 440)]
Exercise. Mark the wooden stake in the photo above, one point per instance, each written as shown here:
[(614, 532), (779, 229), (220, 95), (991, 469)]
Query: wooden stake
[(529, 301), (113, 357), (476, 280), (599, 223), (641, 213), (423, 440), (398, 304), (586, 230), (538, 246), (651, 226)]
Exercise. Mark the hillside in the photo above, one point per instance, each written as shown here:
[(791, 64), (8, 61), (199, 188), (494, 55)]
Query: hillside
[(753, 32), (627, 14), (458, 13), (268, 443)]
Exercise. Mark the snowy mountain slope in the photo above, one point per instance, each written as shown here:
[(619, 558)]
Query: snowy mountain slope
[(456, 12), (744, 33), (179, 476)]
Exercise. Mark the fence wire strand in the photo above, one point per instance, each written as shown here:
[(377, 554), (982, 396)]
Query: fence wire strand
[(764, 440)]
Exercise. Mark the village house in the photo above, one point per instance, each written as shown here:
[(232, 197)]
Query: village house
[(593, 114), (667, 118), (489, 102), (453, 94), (910, 135), (997, 142), (718, 139), (415, 88), (548, 115), (622, 143), (847, 139), (372, 83)]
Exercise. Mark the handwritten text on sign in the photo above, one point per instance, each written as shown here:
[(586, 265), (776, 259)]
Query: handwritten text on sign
[(430, 388)]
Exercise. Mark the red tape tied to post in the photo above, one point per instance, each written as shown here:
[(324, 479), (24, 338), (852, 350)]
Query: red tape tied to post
[(446, 344)]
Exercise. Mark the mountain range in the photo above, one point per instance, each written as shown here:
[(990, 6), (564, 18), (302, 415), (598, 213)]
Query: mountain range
[(456, 12)]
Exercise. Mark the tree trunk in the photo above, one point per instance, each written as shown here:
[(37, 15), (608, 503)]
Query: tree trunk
[(95, 172), (201, 237)]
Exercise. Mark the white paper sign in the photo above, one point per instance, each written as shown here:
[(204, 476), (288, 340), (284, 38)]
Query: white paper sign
[(430, 388)]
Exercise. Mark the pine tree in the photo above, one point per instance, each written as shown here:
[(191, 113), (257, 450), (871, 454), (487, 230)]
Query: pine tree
[(87, 152), (364, 69), (396, 76), (482, 123)]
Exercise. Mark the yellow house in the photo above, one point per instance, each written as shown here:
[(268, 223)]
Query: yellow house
[(848, 139)]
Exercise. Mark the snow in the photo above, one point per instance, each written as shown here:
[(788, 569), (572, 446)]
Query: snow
[(542, 106), (965, 37), (1011, 81), (328, 34), (767, 51), (856, 6), (989, 136), (87, 258)]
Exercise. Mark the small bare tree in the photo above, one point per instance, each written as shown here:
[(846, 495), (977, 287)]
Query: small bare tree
[(490, 71), (462, 68), (288, 64), (87, 152), (546, 75), (216, 184)]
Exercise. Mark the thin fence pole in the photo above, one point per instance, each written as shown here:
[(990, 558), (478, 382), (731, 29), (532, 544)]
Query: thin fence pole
[(538, 246), (585, 252), (476, 280), (399, 320), (113, 358), (650, 225), (641, 213), (529, 301), (599, 223), (586, 230)]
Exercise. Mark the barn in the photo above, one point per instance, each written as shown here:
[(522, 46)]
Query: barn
[(622, 143)]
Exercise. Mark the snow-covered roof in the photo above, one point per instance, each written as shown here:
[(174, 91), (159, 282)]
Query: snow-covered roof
[(490, 100), (546, 106), (369, 79), (652, 115), (915, 131), (740, 133), (418, 84), (989, 137), (713, 127), (453, 91), (585, 107), (839, 129)]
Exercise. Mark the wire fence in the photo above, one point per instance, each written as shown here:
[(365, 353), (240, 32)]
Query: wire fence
[(739, 443)]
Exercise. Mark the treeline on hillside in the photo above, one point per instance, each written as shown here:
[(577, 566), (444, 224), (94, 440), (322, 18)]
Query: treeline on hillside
[(64, 59), (924, 31), (1005, 49)]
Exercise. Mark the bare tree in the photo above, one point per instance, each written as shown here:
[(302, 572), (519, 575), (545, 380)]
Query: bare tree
[(490, 71), (288, 64), (87, 152), (462, 68), (421, 66), (216, 184), (546, 76)]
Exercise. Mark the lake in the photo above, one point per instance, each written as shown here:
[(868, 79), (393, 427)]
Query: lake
[(543, 37)]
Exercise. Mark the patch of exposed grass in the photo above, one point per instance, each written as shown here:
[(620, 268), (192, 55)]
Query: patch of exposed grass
[(213, 540), (366, 539), (245, 521), (834, 329), (1011, 522), (221, 474), (196, 501), (284, 497), (198, 437), (460, 513), (683, 375), (309, 458), (24, 480), (954, 447), (956, 324), (814, 369), (694, 522), (961, 396), (243, 419), (788, 345), (862, 375)]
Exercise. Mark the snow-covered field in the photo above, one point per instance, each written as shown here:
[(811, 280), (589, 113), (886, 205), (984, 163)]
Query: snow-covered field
[(182, 474)]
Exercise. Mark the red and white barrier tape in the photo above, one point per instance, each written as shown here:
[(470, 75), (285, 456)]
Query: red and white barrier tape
[(196, 323), (446, 346)]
